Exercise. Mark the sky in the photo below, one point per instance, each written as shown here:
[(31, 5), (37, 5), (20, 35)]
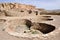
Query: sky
[(46, 4)]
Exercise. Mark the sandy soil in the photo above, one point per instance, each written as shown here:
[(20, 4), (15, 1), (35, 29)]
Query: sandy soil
[(6, 36)]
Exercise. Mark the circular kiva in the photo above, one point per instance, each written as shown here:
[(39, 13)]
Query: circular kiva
[(16, 26), (43, 27)]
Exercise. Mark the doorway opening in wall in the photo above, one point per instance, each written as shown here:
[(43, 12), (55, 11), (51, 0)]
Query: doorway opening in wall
[(30, 11), (22, 11), (36, 12)]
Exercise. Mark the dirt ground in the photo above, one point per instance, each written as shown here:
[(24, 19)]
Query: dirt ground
[(5, 36)]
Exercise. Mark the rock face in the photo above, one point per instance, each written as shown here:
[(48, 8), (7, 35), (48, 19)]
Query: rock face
[(14, 9), (28, 22), (15, 5)]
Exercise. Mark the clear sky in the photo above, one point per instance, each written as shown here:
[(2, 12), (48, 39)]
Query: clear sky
[(46, 4)]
